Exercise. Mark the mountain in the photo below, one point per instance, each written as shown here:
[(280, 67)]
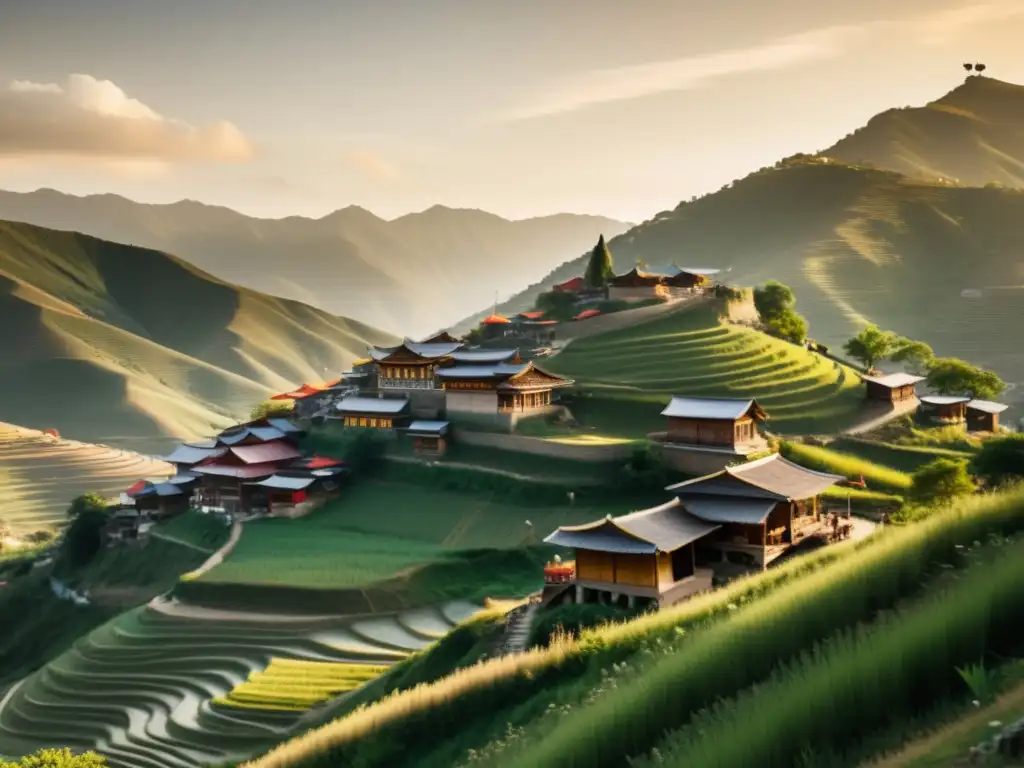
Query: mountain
[(973, 135), (410, 275), (857, 245), (117, 344)]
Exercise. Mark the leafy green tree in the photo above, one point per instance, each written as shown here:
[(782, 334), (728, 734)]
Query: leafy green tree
[(599, 268), (58, 758), (951, 376), (84, 536), (915, 355), (941, 480), (871, 345), (86, 502), (557, 305), (775, 304), (1000, 460)]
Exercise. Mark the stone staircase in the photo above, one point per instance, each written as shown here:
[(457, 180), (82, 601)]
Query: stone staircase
[(517, 627)]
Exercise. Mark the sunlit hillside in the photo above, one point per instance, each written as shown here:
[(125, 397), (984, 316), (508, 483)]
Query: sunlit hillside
[(123, 345)]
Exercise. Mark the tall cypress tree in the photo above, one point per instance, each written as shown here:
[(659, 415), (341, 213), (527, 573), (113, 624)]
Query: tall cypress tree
[(599, 268)]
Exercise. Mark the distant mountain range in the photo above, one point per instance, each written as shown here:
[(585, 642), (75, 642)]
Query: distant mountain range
[(123, 345), (931, 259), (411, 275)]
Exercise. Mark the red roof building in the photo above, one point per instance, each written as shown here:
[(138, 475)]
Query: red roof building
[(569, 286), (495, 319), (532, 315)]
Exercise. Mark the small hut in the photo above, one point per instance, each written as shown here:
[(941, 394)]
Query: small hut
[(947, 409), (429, 437), (892, 387), (983, 415)]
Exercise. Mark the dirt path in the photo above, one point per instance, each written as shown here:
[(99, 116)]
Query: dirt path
[(182, 542), (217, 557), (496, 471), (1012, 700)]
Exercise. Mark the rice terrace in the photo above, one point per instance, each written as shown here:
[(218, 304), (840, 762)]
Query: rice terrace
[(736, 486)]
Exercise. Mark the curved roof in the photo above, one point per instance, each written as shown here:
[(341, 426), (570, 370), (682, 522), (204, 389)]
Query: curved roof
[(774, 475), (483, 355), (664, 528), (495, 319)]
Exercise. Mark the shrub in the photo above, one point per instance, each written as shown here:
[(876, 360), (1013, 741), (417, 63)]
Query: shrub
[(941, 480), (1000, 460), (574, 618)]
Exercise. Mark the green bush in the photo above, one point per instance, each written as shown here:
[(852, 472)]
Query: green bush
[(1000, 460), (58, 758), (574, 618)]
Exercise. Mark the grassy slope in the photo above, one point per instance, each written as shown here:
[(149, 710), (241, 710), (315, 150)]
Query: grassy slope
[(571, 698), (414, 273), (40, 475), (629, 375), (155, 346), (971, 134), (856, 245)]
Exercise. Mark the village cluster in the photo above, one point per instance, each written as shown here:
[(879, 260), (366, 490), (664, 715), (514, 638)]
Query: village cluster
[(745, 509)]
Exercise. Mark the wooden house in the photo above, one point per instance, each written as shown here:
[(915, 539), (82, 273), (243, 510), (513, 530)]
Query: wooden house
[(717, 422), (947, 409), (637, 285), (738, 519), (158, 501), (429, 437), (373, 412), (224, 480), (504, 387), (297, 490), (411, 364), (762, 507), (892, 387), (983, 415)]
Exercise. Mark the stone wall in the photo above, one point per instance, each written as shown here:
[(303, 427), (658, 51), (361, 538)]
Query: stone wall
[(537, 446), (695, 462)]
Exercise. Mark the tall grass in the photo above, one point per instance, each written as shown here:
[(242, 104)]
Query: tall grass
[(906, 458), (743, 650), (861, 682), (876, 476), (861, 576)]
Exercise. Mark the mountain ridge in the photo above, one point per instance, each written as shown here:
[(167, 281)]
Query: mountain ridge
[(155, 347)]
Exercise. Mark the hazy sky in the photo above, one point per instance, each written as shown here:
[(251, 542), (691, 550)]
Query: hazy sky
[(597, 106)]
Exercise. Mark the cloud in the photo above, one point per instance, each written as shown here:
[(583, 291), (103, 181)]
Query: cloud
[(371, 164), (949, 24), (90, 118), (630, 82)]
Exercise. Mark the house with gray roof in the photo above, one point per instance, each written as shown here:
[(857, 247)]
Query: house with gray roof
[(373, 412), (892, 387), (704, 434), (738, 519)]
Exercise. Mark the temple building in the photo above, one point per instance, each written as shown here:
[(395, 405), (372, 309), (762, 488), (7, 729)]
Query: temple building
[(892, 387), (637, 285), (411, 364), (983, 415), (473, 387), (373, 412), (947, 409), (736, 520), (224, 479)]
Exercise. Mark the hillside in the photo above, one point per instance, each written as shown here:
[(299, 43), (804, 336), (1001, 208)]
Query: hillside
[(627, 377), (972, 135), (410, 275), (116, 344), (857, 245), (40, 474)]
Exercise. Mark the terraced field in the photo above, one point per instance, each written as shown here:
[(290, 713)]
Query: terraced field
[(297, 685), (141, 688), (628, 376), (39, 475)]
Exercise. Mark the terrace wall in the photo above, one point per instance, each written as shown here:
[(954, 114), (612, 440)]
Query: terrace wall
[(540, 447), (603, 323), (695, 462)]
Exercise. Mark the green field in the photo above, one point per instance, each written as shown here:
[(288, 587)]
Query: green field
[(905, 458), (627, 376), (168, 670), (381, 527), (877, 476)]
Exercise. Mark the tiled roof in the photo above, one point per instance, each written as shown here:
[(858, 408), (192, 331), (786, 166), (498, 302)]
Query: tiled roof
[(663, 528), (707, 408), (283, 425), (188, 454), (587, 314), (284, 482), (246, 472), (893, 380), (438, 428), (532, 315), (943, 399), (483, 355), (495, 319), (773, 475), (482, 371), (356, 404), (729, 510), (266, 452), (986, 406)]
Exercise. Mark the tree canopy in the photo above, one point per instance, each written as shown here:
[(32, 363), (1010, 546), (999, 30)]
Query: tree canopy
[(84, 537), (58, 758), (1000, 460), (941, 480), (84, 503), (871, 345), (951, 376), (600, 267), (775, 304)]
